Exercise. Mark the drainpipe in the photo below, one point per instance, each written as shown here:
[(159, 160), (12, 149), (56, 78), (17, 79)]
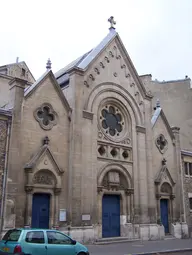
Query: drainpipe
[(4, 186)]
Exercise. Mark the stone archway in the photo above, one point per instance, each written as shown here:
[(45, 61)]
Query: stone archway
[(164, 186), (43, 181), (43, 176), (114, 180)]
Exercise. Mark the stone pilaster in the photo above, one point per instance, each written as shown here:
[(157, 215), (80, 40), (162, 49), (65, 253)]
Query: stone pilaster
[(142, 170), (179, 200)]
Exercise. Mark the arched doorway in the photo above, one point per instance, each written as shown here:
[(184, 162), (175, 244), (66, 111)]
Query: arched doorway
[(166, 190), (42, 199), (115, 200)]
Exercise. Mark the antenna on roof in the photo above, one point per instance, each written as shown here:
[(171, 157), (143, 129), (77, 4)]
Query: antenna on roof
[(48, 65), (17, 60)]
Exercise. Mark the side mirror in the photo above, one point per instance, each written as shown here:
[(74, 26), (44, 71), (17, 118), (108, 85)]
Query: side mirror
[(73, 242)]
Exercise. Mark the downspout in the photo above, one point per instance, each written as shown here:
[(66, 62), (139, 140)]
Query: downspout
[(4, 186)]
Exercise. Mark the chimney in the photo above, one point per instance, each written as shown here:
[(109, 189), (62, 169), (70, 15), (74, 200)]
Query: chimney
[(17, 87)]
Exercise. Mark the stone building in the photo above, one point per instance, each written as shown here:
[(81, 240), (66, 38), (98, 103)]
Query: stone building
[(89, 154)]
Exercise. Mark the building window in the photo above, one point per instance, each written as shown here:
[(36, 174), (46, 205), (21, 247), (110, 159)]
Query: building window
[(23, 72), (46, 116), (190, 203), (188, 168), (111, 120)]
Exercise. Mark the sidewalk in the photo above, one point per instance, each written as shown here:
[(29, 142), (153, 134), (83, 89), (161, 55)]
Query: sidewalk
[(137, 247)]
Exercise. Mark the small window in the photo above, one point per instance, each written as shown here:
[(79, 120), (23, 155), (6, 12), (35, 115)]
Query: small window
[(190, 203), (57, 238), (186, 168), (190, 169), (12, 235), (35, 237), (23, 72)]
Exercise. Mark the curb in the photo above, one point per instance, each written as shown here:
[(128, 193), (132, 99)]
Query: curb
[(162, 252)]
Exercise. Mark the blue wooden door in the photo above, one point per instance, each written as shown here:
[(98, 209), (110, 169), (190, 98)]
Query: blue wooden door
[(164, 214), (111, 216), (40, 211)]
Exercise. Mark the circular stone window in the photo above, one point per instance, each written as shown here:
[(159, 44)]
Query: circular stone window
[(112, 121)]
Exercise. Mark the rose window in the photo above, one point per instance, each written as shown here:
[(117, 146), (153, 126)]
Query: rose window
[(111, 120)]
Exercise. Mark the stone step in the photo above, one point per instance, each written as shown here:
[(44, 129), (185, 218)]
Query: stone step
[(169, 237), (111, 240)]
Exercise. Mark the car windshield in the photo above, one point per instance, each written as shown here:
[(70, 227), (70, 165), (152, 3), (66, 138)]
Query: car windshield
[(12, 235)]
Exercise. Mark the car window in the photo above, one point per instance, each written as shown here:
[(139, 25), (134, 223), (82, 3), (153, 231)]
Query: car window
[(35, 237), (12, 235), (57, 238)]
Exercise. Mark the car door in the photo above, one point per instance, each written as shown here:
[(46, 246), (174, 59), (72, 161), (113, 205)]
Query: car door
[(58, 243), (34, 243)]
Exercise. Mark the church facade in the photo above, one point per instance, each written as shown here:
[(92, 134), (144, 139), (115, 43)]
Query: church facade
[(86, 151)]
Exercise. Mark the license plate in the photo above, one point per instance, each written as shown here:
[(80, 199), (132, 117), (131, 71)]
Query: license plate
[(6, 249)]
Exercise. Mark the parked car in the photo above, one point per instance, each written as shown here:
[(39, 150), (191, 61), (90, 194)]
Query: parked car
[(21, 241)]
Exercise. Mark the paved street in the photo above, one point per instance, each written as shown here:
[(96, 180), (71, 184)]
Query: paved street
[(141, 247)]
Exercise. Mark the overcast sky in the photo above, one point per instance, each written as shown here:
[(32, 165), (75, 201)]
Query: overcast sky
[(156, 33)]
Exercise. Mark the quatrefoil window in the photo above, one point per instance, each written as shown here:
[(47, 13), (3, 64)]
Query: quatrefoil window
[(46, 116), (111, 120), (161, 143)]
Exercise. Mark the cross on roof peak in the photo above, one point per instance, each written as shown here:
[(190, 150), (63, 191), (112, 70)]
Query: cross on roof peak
[(48, 65), (112, 22)]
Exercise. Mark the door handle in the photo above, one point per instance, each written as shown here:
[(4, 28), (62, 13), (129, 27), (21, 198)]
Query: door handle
[(46, 247)]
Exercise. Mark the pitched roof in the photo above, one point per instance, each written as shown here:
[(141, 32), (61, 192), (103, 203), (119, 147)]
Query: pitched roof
[(28, 91), (159, 112), (17, 63), (83, 61)]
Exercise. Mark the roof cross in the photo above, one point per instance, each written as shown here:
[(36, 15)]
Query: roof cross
[(112, 22)]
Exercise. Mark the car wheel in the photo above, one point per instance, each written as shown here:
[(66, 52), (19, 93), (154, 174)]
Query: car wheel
[(81, 253)]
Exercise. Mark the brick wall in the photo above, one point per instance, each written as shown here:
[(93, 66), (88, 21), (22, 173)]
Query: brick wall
[(3, 140)]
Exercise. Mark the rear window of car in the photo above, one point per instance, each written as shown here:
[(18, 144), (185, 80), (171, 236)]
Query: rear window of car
[(35, 237), (12, 235)]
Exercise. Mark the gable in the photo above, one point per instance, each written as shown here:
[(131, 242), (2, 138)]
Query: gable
[(47, 86), (98, 61), (43, 158), (164, 175), (159, 119)]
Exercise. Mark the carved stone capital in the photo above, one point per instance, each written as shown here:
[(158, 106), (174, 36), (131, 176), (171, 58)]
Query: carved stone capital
[(28, 189), (57, 191), (158, 196), (172, 197), (129, 192), (99, 189)]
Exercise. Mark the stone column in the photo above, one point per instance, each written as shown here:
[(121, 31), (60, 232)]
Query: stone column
[(158, 207), (57, 192), (28, 211), (142, 175), (179, 182)]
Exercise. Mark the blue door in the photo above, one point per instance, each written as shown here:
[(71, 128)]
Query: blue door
[(111, 216), (40, 210), (164, 214)]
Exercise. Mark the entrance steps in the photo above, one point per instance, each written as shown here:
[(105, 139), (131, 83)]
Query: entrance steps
[(111, 240), (169, 237)]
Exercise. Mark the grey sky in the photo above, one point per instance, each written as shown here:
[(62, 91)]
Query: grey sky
[(156, 33)]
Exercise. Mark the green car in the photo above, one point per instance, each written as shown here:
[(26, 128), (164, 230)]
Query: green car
[(23, 241)]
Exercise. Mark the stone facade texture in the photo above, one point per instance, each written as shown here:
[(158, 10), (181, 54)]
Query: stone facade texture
[(98, 135)]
